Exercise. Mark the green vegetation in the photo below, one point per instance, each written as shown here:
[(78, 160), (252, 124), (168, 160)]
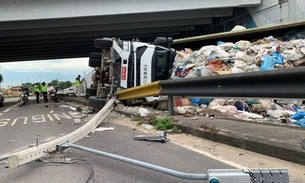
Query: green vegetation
[(153, 120), (175, 129), (159, 124), (164, 124), (136, 118), (61, 85)]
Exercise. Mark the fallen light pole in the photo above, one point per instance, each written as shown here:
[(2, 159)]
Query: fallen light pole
[(213, 175)]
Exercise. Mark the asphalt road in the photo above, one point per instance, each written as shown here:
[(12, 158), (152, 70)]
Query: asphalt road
[(16, 134), (21, 127), (120, 142)]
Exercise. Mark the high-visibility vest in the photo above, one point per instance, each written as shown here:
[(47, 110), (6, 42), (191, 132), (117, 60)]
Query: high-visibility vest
[(44, 88), (77, 82), (36, 88)]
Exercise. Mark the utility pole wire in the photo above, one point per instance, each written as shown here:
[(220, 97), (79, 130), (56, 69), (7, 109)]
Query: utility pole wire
[(40, 75)]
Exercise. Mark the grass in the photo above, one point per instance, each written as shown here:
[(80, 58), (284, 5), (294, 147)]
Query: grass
[(159, 124)]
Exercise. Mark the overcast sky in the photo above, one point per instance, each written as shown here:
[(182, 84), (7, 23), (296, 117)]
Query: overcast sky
[(15, 73)]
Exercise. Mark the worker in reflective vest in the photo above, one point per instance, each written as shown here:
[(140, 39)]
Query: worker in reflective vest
[(37, 91), (78, 84), (44, 90)]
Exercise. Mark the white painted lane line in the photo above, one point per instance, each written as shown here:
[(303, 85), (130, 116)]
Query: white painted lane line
[(8, 109)]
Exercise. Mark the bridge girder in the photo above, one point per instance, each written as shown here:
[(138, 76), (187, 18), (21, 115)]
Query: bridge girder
[(49, 29)]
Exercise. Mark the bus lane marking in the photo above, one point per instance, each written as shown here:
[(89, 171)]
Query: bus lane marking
[(39, 118)]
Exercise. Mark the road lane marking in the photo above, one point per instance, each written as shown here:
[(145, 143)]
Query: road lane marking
[(39, 118), (8, 109)]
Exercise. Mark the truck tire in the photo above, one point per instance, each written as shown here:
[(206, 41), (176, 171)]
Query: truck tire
[(91, 91), (161, 41), (96, 102), (95, 55), (94, 62), (88, 95), (102, 43)]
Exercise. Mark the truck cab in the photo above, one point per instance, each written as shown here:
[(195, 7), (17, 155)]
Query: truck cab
[(126, 64)]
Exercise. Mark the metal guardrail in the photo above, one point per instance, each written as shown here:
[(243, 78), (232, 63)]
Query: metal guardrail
[(283, 83), (34, 153)]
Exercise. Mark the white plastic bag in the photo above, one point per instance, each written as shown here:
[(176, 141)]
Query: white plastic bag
[(143, 111), (243, 45), (292, 55)]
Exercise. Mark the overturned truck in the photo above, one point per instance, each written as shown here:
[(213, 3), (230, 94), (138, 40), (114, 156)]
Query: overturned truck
[(126, 64)]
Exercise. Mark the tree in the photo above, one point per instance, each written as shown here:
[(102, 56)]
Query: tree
[(54, 82), (1, 78), (61, 85), (66, 84), (28, 85)]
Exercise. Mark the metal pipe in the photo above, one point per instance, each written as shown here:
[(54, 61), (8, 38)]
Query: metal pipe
[(4, 157), (170, 105), (174, 173)]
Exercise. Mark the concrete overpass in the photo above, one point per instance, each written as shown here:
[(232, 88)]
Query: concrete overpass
[(50, 29)]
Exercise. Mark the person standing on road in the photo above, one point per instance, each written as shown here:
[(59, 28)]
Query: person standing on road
[(44, 90), (78, 85), (37, 91)]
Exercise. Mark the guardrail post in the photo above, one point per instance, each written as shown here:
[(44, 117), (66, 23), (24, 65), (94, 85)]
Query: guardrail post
[(170, 105)]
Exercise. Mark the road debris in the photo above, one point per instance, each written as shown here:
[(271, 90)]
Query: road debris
[(100, 129), (160, 136)]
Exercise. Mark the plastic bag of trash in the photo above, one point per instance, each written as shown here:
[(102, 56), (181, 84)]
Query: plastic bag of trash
[(229, 109), (239, 64), (217, 102), (143, 111), (251, 68), (221, 54), (180, 110), (226, 46), (292, 55), (243, 45), (268, 63), (197, 72), (199, 101), (239, 55), (298, 115), (300, 122), (206, 71), (275, 113), (251, 115)]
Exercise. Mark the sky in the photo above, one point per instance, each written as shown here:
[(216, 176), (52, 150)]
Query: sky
[(16, 73)]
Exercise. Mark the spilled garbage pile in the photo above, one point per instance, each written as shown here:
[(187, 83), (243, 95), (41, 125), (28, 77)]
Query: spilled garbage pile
[(264, 54)]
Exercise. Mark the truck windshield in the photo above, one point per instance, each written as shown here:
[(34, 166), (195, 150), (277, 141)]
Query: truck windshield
[(162, 62)]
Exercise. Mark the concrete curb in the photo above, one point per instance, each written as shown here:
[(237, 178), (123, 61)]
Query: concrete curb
[(264, 146)]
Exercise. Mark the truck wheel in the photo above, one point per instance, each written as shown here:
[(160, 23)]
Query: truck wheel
[(1, 104), (91, 91), (102, 43), (88, 95), (95, 55), (96, 102), (94, 62)]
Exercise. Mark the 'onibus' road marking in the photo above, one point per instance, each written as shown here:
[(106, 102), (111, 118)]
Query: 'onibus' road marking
[(39, 118)]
